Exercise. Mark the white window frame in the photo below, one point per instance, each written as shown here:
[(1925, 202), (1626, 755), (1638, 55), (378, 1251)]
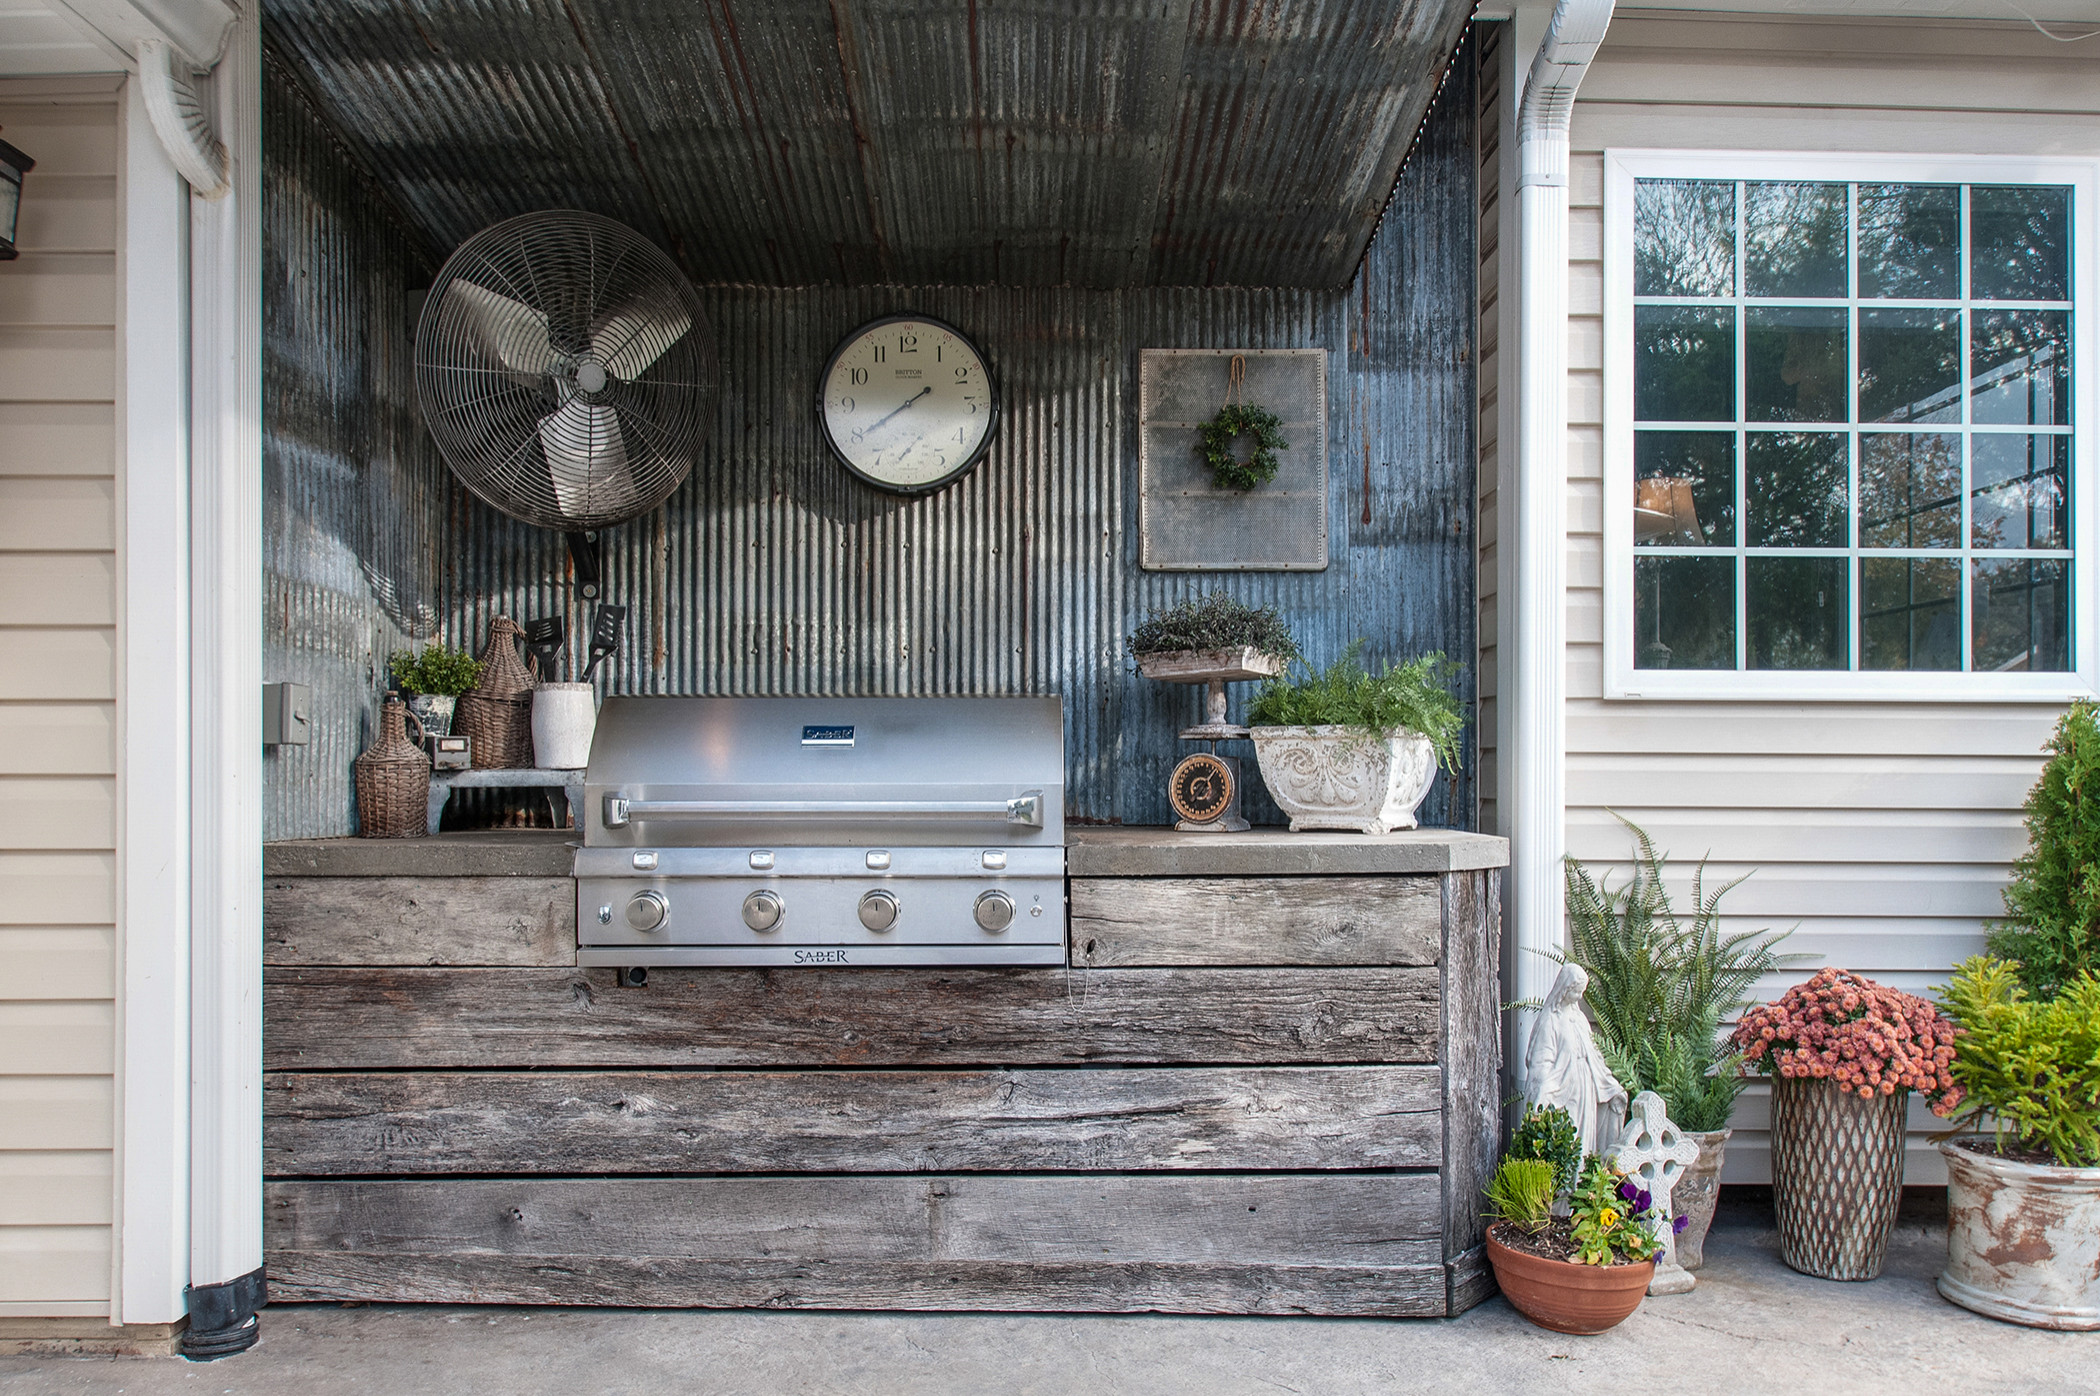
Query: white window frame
[(1621, 679)]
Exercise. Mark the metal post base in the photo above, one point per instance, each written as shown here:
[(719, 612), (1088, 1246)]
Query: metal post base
[(222, 1317)]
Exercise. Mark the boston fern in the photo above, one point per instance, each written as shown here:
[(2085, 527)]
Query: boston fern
[(1217, 622), (1416, 695), (1661, 986), (2052, 907)]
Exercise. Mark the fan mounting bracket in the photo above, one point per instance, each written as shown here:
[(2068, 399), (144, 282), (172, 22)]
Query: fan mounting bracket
[(583, 553)]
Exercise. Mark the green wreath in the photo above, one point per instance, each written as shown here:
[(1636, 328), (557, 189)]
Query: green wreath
[(1235, 421)]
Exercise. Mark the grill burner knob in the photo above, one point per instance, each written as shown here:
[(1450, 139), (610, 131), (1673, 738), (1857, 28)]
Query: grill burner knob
[(878, 911), (647, 910), (762, 910), (995, 911)]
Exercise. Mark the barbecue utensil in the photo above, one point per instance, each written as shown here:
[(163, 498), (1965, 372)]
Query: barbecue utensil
[(607, 621), (544, 639)]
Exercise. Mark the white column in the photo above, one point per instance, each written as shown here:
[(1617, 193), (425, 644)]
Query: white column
[(152, 1254), (226, 726), (1537, 729)]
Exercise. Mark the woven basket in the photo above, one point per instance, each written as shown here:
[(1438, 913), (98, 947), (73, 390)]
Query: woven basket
[(393, 780), (1837, 1176), (497, 711)]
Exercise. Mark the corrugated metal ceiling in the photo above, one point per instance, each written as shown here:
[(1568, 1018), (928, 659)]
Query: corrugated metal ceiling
[(1092, 143)]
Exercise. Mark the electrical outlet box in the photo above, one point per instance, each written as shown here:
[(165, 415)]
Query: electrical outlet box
[(287, 714)]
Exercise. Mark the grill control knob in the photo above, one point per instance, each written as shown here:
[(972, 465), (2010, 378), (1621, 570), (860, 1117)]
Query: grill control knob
[(995, 911), (762, 910), (878, 911), (647, 910)]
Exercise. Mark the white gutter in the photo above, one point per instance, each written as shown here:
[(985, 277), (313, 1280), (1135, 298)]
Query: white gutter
[(1538, 746)]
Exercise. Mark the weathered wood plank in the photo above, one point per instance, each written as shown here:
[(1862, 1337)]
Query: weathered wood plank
[(1011, 1241), (319, 1019), (1472, 1014), (1337, 1291), (1090, 1119), (1472, 1281), (1255, 921), (419, 921)]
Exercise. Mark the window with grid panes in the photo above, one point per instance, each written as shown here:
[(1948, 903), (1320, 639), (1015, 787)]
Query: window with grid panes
[(1852, 426)]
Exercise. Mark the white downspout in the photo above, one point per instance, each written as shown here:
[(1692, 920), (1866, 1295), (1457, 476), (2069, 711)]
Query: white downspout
[(1538, 735)]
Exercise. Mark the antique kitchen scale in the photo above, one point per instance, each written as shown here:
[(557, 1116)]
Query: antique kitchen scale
[(1205, 787)]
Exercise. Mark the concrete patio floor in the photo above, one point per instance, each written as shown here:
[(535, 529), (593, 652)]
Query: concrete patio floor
[(1751, 1326)]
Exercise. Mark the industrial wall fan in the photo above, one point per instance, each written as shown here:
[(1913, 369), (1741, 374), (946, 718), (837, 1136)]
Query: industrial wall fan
[(566, 369)]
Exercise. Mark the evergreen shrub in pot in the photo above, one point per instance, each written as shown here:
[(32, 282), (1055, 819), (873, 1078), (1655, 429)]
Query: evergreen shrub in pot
[(2023, 1206), (1348, 749)]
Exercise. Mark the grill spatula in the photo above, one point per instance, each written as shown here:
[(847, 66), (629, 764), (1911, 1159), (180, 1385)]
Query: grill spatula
[(607, 621), (544, 639)]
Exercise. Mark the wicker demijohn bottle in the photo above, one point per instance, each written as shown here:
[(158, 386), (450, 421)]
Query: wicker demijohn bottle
[(393, 780), (497, 711)]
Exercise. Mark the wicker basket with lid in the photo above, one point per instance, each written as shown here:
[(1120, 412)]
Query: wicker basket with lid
[(497, 711)]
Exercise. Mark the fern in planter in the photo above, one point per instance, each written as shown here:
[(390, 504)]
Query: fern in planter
[(2052, 908), (1416, 695), (1661, 986)]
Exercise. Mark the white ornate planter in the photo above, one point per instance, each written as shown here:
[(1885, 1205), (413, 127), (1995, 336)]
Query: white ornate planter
[(2023, 1240), (1339, 778)]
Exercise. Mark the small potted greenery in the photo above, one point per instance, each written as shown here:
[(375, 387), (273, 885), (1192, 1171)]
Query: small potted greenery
[(1660, 986), (1213, 641), (433, 678), (1348, 749), (2023, 1203), (1573, 1247)]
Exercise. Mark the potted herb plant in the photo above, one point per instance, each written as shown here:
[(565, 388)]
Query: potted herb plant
[(433, 678), (1844, 1054), (2023, 1206), (1581, 1272), (1660, 986), (1348, 749), (1213, 633)]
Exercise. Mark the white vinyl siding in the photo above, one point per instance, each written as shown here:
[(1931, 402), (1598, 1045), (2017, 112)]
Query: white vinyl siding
[(58, 690), (1882, 828)]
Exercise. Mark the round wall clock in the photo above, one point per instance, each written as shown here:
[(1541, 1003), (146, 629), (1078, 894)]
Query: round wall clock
[(907, 403)]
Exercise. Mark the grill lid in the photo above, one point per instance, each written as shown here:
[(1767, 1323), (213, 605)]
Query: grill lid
[(754, 771)]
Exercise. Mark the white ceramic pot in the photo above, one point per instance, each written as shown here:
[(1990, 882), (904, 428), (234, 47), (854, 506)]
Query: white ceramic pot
[(2023, 1240), (564, 717), (1339, 778)]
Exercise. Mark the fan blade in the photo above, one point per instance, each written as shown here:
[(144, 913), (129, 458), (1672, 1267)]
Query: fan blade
[(587, 460), (514, 334), (628, 340)]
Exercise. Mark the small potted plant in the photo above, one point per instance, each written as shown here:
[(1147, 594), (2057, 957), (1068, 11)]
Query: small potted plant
[(433, 678), (1844, 1054), (1660, 986), (1210, 634), (1348, 749), (1581, 1272)]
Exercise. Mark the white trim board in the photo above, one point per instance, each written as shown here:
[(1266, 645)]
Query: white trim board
[(1621, 679)]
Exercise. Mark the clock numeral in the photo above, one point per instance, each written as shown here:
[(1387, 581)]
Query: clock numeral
[(907, 344), (962, 375), (845, 404), (857, 434), (938, 349), (879, 353), (856, 376)]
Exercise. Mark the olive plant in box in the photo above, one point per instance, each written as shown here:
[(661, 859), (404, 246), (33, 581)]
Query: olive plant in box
[(1214, 622), (1344, 748), (1660, 987), (433, 678)]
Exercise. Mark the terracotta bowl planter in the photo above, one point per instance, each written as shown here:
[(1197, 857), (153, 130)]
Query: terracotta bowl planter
[(1564, 1296)]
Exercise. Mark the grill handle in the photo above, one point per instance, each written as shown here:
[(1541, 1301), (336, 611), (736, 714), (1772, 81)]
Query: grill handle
[(1025, 808)]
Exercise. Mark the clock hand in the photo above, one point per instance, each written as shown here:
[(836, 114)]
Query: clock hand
[(907, 402)]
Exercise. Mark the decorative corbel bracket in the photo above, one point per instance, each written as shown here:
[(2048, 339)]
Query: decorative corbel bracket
[(179, 120)]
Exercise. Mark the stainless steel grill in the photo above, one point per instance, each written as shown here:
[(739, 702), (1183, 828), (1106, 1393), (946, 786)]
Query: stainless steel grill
[(824, 831)]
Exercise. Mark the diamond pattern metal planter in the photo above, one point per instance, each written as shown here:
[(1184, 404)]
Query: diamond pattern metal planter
[(1837, 1176)]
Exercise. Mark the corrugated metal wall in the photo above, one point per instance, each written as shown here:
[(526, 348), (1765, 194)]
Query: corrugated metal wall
[(353, 491), (773, 571)]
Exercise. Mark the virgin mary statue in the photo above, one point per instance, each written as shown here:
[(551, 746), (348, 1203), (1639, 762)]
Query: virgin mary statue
[(1563, 1067)]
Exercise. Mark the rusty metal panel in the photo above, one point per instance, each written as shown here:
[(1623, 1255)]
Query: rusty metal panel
[(352, 490), (773, 571), (1097, 143)]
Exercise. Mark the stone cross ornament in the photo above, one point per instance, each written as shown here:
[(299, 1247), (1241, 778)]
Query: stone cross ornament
[(1563, 1067), (1653, 1154)]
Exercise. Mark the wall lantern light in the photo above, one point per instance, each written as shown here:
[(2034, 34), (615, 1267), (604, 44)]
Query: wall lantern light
[(13, 165)]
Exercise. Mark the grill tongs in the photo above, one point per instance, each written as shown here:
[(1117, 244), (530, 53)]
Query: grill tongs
[(1025, 808)]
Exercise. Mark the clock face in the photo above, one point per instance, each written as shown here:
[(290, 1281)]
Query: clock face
[(1201, 788), (907, 403)]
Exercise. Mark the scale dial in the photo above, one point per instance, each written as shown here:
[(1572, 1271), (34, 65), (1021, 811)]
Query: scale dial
[(1201, 788), (907, 403)]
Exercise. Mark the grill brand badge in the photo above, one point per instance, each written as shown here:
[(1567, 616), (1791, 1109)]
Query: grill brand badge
[(827, 736)]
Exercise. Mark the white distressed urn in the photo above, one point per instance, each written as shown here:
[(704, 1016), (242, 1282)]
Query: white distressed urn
[(1345, 778)]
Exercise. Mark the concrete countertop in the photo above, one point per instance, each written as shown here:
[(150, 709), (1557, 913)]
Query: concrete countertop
[(1099, 851), (1095, 851)]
